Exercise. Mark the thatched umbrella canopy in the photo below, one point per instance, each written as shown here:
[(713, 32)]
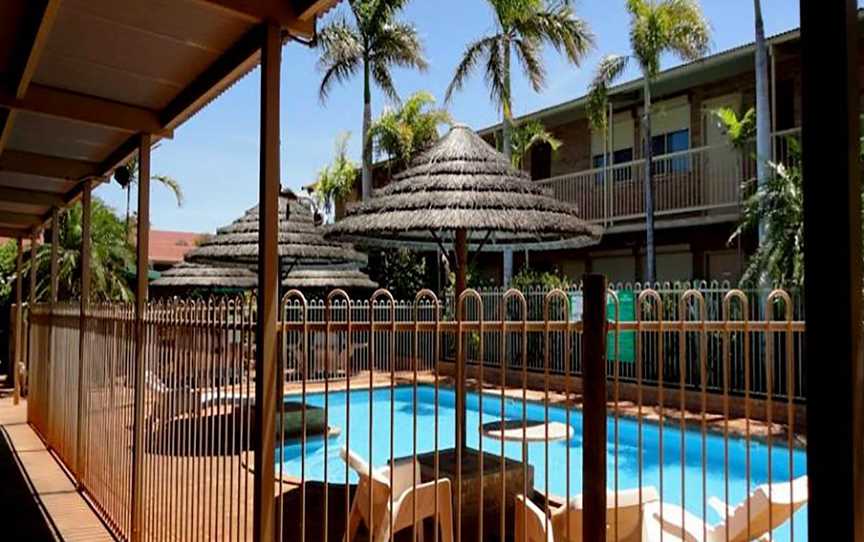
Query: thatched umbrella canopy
[(464, 192), (328, 278), (189, 276), (300, 241)]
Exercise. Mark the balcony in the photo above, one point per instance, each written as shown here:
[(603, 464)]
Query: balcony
[(701, 182)]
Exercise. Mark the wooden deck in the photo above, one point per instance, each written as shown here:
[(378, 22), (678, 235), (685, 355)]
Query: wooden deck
[(38, 499)]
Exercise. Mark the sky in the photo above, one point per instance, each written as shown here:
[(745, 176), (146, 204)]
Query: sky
[(214, 155)]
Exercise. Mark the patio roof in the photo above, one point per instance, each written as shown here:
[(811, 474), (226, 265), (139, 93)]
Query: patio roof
[(80, 79)]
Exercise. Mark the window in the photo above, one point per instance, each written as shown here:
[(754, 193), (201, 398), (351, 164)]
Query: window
[(676, 141), (620, 156)]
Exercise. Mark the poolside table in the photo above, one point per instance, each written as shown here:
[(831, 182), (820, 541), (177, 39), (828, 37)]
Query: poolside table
[(516, 477), (526, 432)]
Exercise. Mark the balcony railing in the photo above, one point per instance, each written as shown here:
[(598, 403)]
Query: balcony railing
[(696, 180)]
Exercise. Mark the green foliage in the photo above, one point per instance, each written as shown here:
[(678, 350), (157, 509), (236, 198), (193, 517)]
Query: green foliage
[(374, 43), (524, 27), (335, 180), (403, 132), (8, 254), (527, 134), (779, 204), (676, 27), (168, 182), (738, 130), (399, 270), (111, 256), (531, 279)]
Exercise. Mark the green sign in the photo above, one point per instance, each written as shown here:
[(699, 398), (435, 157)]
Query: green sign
[(627, 340)]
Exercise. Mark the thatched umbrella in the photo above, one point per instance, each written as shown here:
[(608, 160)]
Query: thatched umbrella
[(463, 191), (328, 278), (300, 241), (191, 276)]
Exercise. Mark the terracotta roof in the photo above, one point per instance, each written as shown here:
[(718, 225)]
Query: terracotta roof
[(169, 247)]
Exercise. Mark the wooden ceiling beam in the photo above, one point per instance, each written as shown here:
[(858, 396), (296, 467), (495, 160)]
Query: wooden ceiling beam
[(241, 57), (30, 62), (29, 163), (310, 9), (59, 103), (279, 11), (21, 219), (33, 197)]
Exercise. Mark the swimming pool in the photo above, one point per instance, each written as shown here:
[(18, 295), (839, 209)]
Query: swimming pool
[(628, 446)]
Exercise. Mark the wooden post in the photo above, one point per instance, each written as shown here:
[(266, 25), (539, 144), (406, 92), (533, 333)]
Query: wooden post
[(141, 290), (832, 286), (55, 253), (86, 216), (268, 378), (19, 295), (31, 300), (594, 404)]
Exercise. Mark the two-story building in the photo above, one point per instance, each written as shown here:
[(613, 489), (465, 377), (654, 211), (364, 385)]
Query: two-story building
[(698, 175)]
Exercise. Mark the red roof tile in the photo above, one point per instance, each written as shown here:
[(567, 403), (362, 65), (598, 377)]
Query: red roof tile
[(169, 247)]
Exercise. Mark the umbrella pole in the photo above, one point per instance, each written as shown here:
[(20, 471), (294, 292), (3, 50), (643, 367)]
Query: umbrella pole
[(461, 249)]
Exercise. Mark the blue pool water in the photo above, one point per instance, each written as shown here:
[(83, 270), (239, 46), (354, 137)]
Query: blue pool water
[(321, 451)]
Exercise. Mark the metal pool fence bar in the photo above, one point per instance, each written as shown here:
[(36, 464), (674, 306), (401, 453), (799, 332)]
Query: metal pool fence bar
[(375, 434), (671, 308)]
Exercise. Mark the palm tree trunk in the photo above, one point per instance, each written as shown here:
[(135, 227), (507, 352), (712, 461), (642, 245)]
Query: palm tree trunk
[(366, 181), (650, 257), (763, 109), (507, 256)]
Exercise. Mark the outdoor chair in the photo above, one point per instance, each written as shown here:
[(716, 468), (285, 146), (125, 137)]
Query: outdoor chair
[(169, 403), (783, 502), (531, 525), (629, 516), (375, 485)]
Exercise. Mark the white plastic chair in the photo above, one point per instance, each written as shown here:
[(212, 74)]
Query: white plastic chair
[(629, 517), (375, 485), (769, 507)]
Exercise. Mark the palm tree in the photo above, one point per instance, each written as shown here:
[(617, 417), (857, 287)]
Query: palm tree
[(526, 135), (111, 257), (777, 203), (402, 133), (656, 27), (523, 27), (763, 122), (739, 131), (374, 44), (336, 179), (168, 182)]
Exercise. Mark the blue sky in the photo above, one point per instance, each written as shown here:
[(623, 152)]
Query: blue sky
[(215, 154)]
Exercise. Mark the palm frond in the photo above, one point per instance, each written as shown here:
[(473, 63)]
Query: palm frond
[(381, 74), (171, 184), (496, 72), (398, 44), (526, 135), (610, 68), (341, 54), (559, 27), (470, 59), (529, 52), (686, 30)]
